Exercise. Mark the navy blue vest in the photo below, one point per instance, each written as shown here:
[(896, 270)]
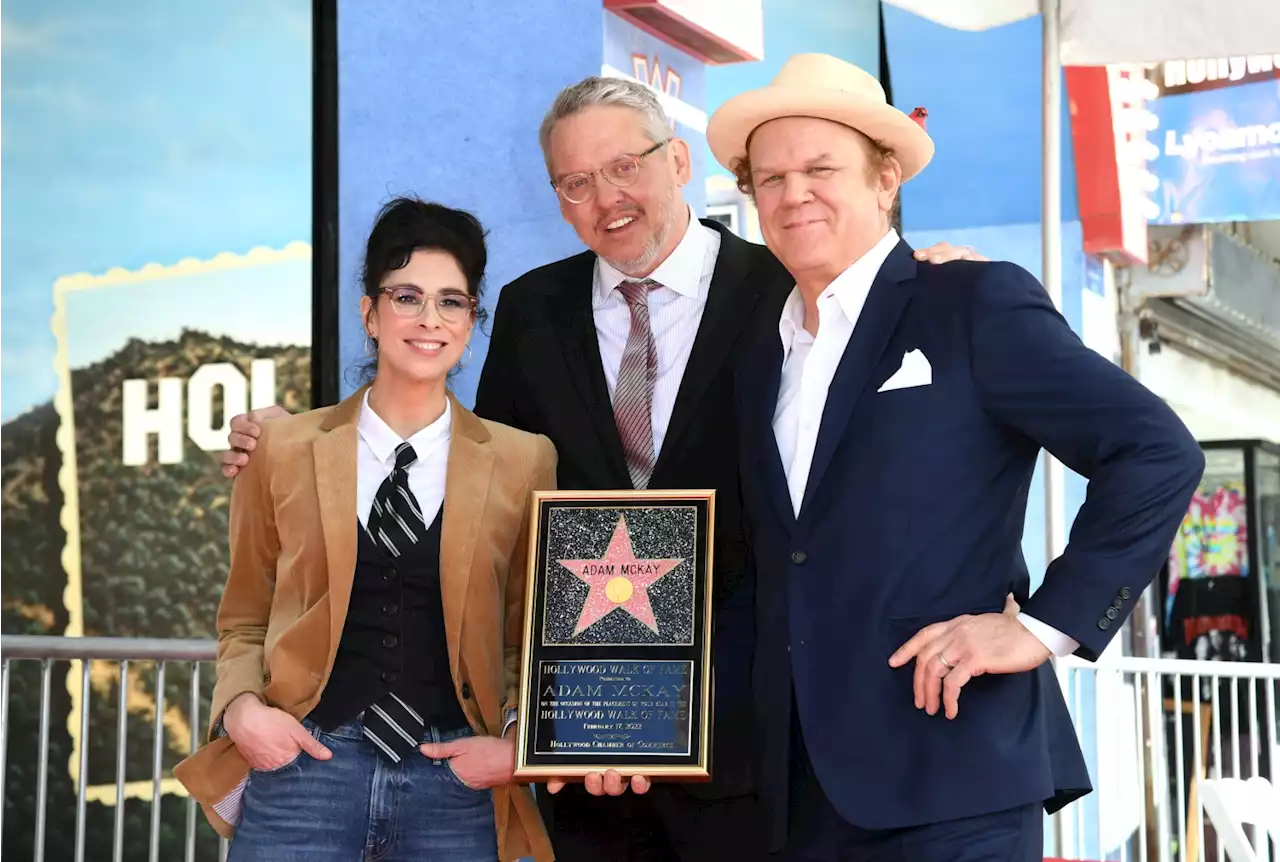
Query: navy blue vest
[(393, 639)]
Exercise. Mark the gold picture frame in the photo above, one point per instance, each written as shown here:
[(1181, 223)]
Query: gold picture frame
[(616, 655)]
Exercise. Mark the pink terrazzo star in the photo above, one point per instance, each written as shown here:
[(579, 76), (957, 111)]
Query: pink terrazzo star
[(618, 580)]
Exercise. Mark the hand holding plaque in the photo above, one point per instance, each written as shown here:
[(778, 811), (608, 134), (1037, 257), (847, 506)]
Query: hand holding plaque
[(616, 674)]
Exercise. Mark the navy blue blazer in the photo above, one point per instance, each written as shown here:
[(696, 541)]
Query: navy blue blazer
[(914, 512)]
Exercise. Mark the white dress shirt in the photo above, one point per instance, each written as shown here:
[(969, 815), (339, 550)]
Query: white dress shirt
[(809, 364), (376, 456), (675, 311)]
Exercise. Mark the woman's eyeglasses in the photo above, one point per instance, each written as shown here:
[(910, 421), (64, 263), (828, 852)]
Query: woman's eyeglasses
[(451, 306)]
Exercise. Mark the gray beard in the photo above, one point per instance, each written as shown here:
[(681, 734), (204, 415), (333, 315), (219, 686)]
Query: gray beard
[(648, 257)]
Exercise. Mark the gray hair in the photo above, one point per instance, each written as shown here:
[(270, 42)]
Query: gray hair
[(597, 91)]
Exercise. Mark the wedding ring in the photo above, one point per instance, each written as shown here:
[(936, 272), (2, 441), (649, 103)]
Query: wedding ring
[(948, 665)]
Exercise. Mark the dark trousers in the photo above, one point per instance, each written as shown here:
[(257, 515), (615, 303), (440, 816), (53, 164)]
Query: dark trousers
[(667, 824), (816, 833)]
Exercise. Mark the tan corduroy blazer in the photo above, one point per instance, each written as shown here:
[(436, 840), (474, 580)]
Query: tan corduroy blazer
[(293, 557)]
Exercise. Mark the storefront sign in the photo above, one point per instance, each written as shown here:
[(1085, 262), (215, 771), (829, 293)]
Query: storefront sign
[(679, 79), (1109, 134), (1188, 76), (1218, 154), (710, 30)]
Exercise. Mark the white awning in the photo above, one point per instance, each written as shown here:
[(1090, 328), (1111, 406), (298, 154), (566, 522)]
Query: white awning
[(1098, 32)]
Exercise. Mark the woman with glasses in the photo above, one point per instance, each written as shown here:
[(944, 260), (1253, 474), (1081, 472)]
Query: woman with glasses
[(369, 634)]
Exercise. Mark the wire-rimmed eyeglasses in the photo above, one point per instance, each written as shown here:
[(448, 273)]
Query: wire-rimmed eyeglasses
[(451, 305), (622, 171)]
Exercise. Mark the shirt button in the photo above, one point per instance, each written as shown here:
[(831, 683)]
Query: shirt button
[(466, 691), (799, 557), (390, 608), (390, 641), (390, 677)]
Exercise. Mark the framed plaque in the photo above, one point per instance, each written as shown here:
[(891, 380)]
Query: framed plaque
[(617, 649)]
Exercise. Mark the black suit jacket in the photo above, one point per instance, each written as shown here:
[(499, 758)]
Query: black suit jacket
[(544, 374)]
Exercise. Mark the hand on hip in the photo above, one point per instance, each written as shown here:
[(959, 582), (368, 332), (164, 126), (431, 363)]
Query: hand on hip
[(950, 653)]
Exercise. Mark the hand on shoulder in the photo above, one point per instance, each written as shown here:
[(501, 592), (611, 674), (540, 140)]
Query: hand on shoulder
[(945, 252), (246, 429)]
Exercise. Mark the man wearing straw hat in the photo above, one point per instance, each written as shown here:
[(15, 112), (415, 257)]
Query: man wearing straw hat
[(888, 438)]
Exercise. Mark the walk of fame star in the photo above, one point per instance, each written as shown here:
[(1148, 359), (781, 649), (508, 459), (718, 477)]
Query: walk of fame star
[(618, 580)]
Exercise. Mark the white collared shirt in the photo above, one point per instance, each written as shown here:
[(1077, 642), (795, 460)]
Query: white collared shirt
[(808, 366), (675, 311), (376, 456), (809, 362)]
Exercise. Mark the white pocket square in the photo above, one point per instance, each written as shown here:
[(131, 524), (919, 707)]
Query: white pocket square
[(914, 371)]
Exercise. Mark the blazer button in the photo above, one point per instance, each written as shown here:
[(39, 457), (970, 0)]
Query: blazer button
[(390, 641), (466, 691), (390, 677), (1104, 624), (1112, 613), (799, 557), (1124, 593), (390, 608), (1118, 604)]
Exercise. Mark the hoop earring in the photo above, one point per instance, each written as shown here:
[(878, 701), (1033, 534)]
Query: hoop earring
[(465, 362)]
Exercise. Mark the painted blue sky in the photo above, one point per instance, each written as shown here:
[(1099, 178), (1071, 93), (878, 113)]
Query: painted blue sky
[(142, 132), (101, 320)]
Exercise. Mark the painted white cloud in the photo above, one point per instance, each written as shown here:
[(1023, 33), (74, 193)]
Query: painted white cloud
[(17, 39)]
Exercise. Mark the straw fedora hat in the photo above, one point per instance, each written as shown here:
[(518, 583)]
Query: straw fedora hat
[(819, 85)]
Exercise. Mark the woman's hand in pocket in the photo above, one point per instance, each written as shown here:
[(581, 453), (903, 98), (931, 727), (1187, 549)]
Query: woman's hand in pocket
[(266, 737), (480, 762)]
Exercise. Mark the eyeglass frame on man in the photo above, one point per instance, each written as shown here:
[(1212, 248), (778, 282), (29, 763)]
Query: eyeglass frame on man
[(470, 302), (636, 159)]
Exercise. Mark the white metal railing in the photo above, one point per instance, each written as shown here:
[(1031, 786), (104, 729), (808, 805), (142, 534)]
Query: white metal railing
[(80, 661), (1152, 730)]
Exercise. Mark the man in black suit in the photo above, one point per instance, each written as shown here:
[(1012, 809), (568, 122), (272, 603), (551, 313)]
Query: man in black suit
[(654, 316), (562, 339)]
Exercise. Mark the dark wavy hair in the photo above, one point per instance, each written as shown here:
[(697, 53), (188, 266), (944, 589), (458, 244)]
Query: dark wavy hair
[(406, 224)]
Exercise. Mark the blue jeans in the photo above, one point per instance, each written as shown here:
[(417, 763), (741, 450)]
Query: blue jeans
[(358, 805)]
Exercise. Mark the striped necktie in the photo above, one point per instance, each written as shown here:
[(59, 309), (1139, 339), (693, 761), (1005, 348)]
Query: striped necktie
[(633, 396), (395, 524)]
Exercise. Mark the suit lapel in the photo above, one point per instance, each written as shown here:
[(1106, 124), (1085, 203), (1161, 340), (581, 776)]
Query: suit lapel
[(467, 475), (576, 331), (334, 457), (731, 300), (763, 371), (890, 293)]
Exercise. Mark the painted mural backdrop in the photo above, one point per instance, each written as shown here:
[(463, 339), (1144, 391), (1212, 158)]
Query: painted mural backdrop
[(157, 275)]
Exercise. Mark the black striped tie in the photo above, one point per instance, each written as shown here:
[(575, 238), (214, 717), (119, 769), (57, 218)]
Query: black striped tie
[(395, 525)]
